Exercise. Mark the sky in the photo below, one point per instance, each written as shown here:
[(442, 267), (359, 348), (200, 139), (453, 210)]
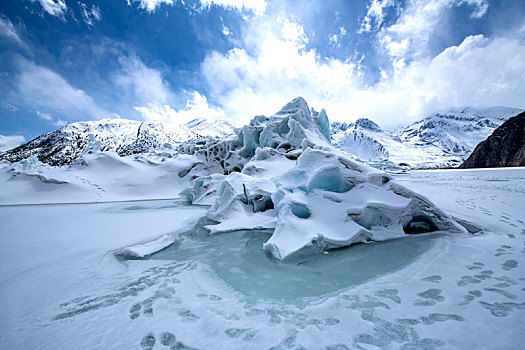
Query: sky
[(172, 60)]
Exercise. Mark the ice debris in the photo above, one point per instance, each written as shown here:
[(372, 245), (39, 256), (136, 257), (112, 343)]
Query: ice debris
[(314, 196), (142, 250)]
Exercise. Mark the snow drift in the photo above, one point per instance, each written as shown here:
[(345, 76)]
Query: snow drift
[(282, 172)]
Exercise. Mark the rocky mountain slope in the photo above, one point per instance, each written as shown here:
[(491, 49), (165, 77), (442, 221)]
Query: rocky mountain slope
[(123, 136), (505, 147)]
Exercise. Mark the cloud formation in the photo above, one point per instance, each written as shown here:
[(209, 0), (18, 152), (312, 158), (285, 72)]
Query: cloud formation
[(196, 107), (274, 64), (141, 83), (408, 38), (256, 6), (53, 7), (39, 87), (90, 15), (10, 142)]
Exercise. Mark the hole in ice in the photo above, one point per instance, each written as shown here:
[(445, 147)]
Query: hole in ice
[(237, 258), (420, 224), (300, 210)]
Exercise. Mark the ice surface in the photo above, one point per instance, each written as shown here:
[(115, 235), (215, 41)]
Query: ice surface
[(257, 275), (62, 288)]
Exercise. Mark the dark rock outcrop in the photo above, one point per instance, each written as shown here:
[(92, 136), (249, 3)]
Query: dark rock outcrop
[(505, 147)]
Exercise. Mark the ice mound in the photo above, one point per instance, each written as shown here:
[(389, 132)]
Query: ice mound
[(282, 172)]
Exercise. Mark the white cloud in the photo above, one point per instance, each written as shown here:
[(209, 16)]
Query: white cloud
[(478, 72), (45, 116), (375, 15), (53, 7), (196, 107), (8, 107), (274, 65), (8, 30), (335, 39), (225, 30), (480, 7), (59, 123), (90, 16), (409, 37), (145, 84), (256, 6), (38, 87), (10, 142), (151, 5)]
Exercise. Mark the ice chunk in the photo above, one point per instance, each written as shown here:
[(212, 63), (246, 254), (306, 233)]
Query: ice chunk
[(142, 250), (282, 172), (238, 192)]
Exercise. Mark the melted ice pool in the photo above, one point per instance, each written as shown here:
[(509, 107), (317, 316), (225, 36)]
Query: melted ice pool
[(238, 259)]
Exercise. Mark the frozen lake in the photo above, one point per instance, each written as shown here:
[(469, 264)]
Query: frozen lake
[(237, 259), (62, 287)]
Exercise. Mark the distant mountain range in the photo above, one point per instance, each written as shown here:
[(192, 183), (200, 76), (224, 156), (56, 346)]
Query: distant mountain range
[(125, 137), (440, 140)]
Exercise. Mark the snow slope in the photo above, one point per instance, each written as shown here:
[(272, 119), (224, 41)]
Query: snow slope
[(94, 177)]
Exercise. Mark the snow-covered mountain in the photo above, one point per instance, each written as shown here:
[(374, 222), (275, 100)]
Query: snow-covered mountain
[(215, 128), (123, 136), (443, 139)]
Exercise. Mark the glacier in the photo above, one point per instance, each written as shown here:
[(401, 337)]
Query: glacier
[(285, 167)]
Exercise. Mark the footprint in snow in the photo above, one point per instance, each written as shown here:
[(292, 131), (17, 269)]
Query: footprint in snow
[(247, 334), (472, 295), (501, 309), (502, 292), (391, 294), (429, 297), (509, 264), (188, 316), (433, 279), (148, 342), (466, 280), (475, 266)]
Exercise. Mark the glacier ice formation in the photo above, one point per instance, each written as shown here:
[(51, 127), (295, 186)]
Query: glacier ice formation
[(282, 172)]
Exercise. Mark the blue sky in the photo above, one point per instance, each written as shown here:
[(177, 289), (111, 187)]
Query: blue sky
[(172, 60)]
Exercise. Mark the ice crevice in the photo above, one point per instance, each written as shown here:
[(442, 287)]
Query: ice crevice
[(281, 172)]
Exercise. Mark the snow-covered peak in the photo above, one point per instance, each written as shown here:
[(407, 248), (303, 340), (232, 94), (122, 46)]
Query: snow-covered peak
[(212, 128), (472, 114), (365, 123)]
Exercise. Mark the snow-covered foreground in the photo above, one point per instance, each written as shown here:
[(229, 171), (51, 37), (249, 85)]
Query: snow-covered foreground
[(62, 287)]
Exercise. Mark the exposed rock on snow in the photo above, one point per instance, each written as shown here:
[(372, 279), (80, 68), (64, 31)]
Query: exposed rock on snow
[(285, 168), (505, 147)]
